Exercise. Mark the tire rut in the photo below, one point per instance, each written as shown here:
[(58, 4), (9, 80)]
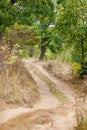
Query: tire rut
[(44, 75), (47, 99)]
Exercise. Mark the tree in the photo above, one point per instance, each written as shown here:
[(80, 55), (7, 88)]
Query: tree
[(38, 13), (44, 17), (8, 14), (73, 28), (21, 35)]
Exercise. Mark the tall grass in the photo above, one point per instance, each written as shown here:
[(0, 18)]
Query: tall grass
[(17, 87)]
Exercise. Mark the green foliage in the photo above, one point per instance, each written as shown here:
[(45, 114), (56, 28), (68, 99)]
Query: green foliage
[(24, 53), (60, 26), (73, 28), (76, 68), (52, 47), (8, 14), (49, 54), (20, 36), (56, 42), (41, 17)]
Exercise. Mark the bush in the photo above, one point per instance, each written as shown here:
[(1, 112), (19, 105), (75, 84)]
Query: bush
[(76, 68)]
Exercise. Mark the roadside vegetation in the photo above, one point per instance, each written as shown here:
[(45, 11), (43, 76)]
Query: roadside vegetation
[(17, 87)]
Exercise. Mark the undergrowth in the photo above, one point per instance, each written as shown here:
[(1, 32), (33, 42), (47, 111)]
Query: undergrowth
[(17, 87)]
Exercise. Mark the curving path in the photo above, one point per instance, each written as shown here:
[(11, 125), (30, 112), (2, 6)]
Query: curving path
[(47, 99)]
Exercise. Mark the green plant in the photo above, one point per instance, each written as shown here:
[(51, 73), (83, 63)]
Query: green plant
[(49, 54), (76, 68), (58, 94)]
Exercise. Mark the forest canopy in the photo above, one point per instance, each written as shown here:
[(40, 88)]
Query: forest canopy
[(51, 26)]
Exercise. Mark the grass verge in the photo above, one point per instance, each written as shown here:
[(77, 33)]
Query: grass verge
[(28, 121), (17, 87)]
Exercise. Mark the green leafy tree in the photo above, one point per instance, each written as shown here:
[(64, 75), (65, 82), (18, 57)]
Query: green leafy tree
[(44, 17), (72, 25), (38, 13), (20, 35), (7, 15)]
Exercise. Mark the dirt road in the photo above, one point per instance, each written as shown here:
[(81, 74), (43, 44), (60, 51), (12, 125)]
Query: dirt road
[(63, 113)]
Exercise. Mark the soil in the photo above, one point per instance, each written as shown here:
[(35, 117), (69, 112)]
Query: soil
[(49, 112)]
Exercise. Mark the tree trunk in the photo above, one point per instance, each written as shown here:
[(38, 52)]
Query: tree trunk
[(82, 57), (43, 50), (0, 36), (12, 1), (31, 51)]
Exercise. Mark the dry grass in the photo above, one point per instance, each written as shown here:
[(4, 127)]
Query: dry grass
[(60, 70), (28, 121), (79, 85), (63, 71), (17, 87)]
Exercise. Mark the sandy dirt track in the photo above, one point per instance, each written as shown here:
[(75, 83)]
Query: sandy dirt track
[(48, 101)]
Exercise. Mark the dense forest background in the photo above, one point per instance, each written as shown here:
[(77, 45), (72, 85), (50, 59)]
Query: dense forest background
[(46, 29)]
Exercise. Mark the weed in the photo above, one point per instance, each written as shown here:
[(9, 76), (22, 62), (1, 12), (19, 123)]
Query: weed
[(58, 94)]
